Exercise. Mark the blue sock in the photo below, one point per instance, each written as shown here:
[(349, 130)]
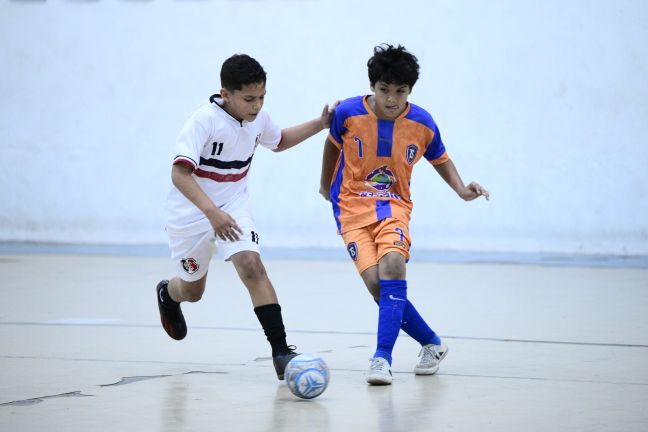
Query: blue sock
[(393, 298), (414, 325)]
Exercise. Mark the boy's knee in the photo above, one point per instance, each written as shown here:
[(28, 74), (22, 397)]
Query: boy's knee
[(392, 266), (249, 266)]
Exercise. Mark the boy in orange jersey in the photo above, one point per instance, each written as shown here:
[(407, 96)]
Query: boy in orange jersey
[(373, 143)]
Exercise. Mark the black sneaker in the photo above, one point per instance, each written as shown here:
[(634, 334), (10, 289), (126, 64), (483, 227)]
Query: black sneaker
[(170, 314), (281, 360)]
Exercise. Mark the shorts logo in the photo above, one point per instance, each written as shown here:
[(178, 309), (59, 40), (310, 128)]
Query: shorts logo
[(190, 265), (255, 237), (400, 244), (381, 178), (353, 251), (410, 153)]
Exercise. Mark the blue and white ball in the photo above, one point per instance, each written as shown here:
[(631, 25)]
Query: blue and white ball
[(307, 376)]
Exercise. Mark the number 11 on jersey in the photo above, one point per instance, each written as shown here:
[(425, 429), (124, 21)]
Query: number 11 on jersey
[(218, 146)]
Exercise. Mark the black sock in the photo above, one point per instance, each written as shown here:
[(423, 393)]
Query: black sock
[(166, 298), (270, 318)]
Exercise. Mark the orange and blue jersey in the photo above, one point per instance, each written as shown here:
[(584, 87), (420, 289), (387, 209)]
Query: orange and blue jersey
[(371, 181)]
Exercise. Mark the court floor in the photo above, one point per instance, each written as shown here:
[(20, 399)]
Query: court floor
[(532, 348)]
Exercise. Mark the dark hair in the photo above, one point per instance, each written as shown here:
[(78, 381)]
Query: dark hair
[(393, 65), (240, 70)]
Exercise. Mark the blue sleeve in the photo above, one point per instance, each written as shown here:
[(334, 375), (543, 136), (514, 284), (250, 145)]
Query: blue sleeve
[(336, 128), (435, 149)]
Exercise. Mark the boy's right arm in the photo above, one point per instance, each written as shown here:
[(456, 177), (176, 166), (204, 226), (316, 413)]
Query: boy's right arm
[(450, 175), (294, 135), (224, 226), (329, 158)]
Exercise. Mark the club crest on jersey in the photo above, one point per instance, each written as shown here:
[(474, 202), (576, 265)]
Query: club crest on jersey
[(353, 250), (190, 265), (381, 178), (410, 153)]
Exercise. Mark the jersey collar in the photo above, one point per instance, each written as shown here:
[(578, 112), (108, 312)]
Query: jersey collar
[(217, 100)]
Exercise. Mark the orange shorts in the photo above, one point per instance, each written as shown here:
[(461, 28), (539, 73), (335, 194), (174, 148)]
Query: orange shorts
[(367, 245)]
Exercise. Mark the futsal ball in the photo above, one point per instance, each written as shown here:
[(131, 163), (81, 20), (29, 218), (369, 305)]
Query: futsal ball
[(307, 376)]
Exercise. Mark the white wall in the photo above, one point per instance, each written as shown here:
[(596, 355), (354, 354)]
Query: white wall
[(544, 102)]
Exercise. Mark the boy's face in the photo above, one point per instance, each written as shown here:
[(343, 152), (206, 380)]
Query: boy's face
[(246, 103), (391, 99)]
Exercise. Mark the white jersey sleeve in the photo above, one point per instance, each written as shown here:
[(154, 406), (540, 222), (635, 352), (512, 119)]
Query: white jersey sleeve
[(192, 138), (271, 135)]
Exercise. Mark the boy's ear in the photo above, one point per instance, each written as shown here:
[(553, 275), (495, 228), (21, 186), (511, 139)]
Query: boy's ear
[(225, 94)]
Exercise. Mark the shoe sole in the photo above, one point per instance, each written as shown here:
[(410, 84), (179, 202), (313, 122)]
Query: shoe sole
[(430, 371), (420, 371), (379, 380)]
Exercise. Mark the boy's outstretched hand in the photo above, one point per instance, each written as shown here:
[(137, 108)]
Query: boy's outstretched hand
[(472, 191), (327, 113)]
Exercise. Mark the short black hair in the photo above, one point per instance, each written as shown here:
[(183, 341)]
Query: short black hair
[(240, 70), (393, 65)]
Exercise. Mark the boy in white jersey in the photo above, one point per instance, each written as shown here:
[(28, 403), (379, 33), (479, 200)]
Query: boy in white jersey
[(209, 202)]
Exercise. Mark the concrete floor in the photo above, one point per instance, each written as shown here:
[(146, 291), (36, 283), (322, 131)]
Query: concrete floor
[(532, 348)]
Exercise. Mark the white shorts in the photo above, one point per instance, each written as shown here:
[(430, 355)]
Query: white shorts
[(192, 253)]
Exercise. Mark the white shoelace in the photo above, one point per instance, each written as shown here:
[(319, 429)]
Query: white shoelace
[(378, 365), (429, 355)]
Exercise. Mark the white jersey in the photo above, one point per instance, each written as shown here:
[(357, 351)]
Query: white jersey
[(219, 148)]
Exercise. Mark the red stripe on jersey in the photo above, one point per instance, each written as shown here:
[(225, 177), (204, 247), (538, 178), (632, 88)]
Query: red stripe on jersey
[(220, 177), (185, 162)]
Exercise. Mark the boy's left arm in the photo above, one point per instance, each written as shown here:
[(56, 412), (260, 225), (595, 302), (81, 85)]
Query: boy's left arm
[(292, 136), (448, 172)]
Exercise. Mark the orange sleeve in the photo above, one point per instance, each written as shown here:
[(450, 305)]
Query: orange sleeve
[(441, 159)]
